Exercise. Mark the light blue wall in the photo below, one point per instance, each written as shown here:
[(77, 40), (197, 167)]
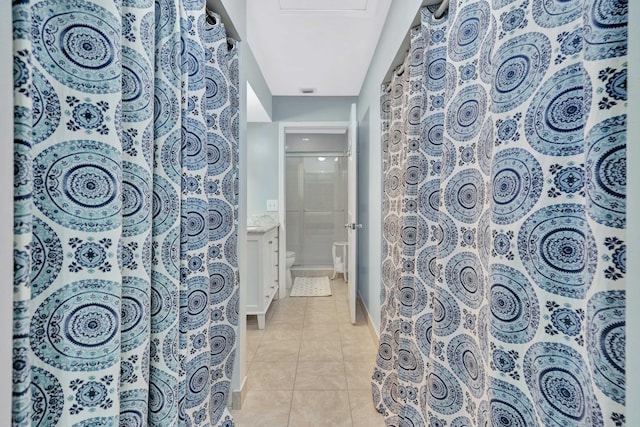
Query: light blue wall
[(262, 145), (633, 220), (312, 108), (399, 21), (262, 166), (6, 210), (235, 12)]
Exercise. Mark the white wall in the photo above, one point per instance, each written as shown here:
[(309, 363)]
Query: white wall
[(399, 21), (312, 143), (262, 166), (6, 210), (312, 108), (256, 80), (237, 11)]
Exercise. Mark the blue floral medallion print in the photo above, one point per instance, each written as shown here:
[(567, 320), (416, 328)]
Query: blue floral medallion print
[(125, 306), (506, 306)]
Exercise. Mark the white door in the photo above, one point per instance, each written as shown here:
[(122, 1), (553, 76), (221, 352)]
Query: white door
[(352, 213)]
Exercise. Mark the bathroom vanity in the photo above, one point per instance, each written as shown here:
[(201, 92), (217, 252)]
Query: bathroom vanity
[(262, 270)]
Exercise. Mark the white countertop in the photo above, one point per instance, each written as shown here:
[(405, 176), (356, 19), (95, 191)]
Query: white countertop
[(260, 229)]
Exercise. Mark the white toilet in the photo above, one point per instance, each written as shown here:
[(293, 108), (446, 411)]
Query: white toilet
[(291, 258)]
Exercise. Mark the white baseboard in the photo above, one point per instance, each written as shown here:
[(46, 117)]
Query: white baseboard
[(372, 329), (238, 396)]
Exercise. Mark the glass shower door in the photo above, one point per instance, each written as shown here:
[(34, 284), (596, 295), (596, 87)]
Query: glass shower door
[(316, 208)]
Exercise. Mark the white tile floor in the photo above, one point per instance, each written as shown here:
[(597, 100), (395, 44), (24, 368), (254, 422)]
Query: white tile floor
[(310, 366)]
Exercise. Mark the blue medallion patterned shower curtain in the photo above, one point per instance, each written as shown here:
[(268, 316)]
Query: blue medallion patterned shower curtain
[(504, 256), (126, 157)]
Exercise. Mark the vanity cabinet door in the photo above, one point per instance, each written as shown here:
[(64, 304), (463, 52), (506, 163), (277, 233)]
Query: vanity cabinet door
[(262, 273), (254, 279)]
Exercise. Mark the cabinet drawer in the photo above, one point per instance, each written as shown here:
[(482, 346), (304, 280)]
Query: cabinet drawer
[(269, 293)]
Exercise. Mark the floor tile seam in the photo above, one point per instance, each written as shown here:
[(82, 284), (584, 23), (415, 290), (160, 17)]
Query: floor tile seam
[(324, 316), (282, 340), (320, 340), (291, 403), (318, 311), (341, 360), (280, 359), (348, 394), (286, 318), (270, 382), (343, 368), (321, 310), (275, 332), (320, 389), (289, 314), (273, 340), (291, 407), (313, 339), (328, 318)]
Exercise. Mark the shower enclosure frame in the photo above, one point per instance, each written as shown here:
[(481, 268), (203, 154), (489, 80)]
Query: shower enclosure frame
[(294, 127), (309, 250)]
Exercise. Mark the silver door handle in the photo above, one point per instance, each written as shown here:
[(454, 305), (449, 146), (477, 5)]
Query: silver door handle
[(353, 226)]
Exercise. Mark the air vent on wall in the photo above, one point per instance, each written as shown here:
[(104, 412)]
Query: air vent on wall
[(307, 91)]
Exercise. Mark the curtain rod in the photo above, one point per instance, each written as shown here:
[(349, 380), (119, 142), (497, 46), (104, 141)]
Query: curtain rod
[(404, 46), (212, 17), (215, 9), (439, 13)]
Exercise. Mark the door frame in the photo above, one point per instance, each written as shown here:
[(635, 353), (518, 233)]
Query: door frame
[(312, 127)]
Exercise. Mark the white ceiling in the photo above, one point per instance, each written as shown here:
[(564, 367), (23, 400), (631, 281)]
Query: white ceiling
[(326, 45)]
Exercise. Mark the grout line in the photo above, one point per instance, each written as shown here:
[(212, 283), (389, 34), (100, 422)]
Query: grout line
[(293, 391), (344, 365), (306, 308)]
